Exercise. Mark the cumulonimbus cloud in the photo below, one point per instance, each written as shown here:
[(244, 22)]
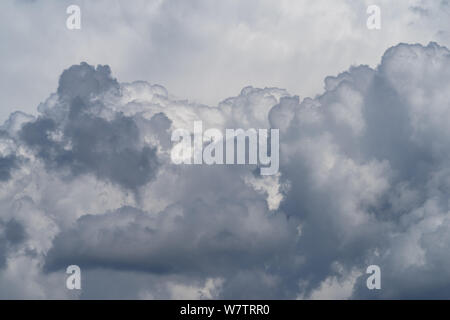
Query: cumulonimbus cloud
[(364, 179)]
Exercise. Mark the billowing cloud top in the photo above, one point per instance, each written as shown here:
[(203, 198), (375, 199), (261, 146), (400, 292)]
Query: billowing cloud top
[(364, 179)]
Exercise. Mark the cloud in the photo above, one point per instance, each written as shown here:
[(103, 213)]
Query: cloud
[(364, 179), (6, 165), (195, 238), (73, 135), (12, 234), (363, 161)]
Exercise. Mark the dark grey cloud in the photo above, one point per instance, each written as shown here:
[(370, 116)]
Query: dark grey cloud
[(366, 167), (7, 164), (84, 81), (12, 233), (110, 149), (196, 238)]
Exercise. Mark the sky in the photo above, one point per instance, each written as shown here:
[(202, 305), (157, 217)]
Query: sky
[(86, 176), (204, 51)]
